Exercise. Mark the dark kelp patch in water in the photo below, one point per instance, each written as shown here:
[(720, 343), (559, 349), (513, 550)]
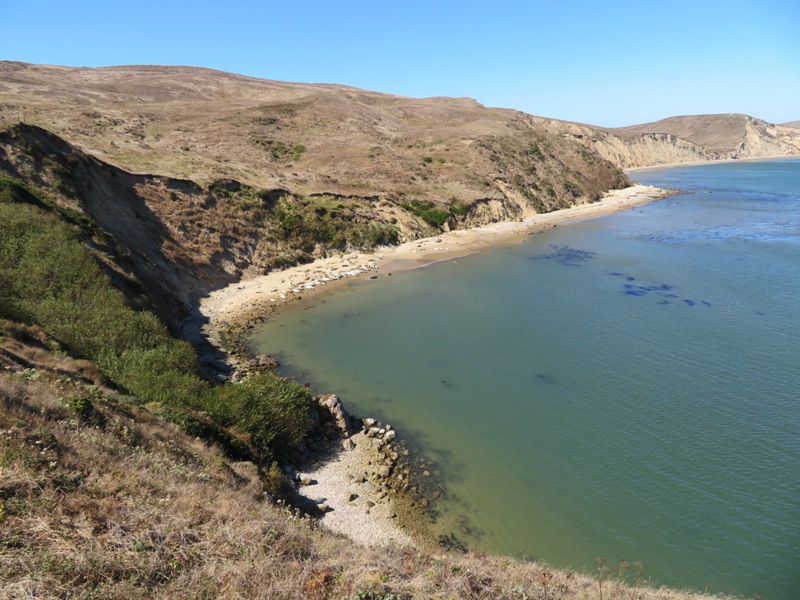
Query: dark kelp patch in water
[(566, 255), (662, 291)]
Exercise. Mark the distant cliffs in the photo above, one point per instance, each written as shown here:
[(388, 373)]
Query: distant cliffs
[(676, 140)]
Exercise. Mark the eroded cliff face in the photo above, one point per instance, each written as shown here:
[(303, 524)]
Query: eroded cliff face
[(764, 139), (649, 150), (679, 140)]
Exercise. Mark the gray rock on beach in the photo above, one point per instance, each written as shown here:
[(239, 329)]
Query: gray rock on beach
[(333, 404)]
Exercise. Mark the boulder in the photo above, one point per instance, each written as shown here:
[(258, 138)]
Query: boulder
[(333, 405), (265, 361)]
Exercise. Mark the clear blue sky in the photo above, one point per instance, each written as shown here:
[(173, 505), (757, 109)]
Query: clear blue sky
[(609, 63)]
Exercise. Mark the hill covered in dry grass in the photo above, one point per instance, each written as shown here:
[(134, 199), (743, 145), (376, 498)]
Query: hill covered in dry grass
[(205, 125), (687, 139)]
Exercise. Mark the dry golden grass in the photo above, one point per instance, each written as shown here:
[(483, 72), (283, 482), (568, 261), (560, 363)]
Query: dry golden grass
[(112, 502), (203, 125)]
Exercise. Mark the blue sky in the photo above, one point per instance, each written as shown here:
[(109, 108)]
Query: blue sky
[(609, 63)]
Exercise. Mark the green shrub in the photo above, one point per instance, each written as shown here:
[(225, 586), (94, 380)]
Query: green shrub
[(457, 208), (167, 374), (277, 484), (426, 211), (572, 189), (85, 411), (277, 414), (311, 221), (206, 429)]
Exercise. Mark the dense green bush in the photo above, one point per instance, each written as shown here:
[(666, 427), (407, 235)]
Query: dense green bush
[(426, 211), (276, 413), (457, 208), (53, 281), (167, 374), (208, 430)]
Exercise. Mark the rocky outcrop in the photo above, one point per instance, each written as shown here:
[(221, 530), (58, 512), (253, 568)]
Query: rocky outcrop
[(263, 362), (334, 407)]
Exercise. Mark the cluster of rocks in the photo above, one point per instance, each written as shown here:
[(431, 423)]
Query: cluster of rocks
[(387, 467), (332, 404)]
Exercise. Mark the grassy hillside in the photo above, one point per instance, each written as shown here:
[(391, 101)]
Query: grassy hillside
[(53, 281), (204, 125)]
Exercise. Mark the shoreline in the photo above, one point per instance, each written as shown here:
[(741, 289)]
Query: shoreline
[(236, 307), (709, 162), (231, 312)]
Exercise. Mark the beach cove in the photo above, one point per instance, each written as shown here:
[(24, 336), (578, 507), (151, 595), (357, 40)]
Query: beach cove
[(604, 389), (232, 312)]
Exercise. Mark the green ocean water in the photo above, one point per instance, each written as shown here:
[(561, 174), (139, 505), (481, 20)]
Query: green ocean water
[(626, 387)]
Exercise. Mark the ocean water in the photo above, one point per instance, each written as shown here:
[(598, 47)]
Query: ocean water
[(625, 387)]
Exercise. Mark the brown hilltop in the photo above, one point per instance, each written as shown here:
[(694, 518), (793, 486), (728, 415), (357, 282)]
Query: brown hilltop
[(716, 133), (203, 125)]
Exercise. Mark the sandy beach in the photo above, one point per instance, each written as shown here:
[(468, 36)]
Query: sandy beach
[(239, 304), (232, 310)]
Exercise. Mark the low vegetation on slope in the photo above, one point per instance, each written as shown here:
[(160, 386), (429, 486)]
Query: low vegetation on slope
[(202, 125), (51, 280)]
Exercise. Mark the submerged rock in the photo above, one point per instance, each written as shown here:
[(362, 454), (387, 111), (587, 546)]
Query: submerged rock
[(265, 361)]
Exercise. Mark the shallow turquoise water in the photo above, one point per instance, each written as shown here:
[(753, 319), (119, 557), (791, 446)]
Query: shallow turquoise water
[(624, 387)]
